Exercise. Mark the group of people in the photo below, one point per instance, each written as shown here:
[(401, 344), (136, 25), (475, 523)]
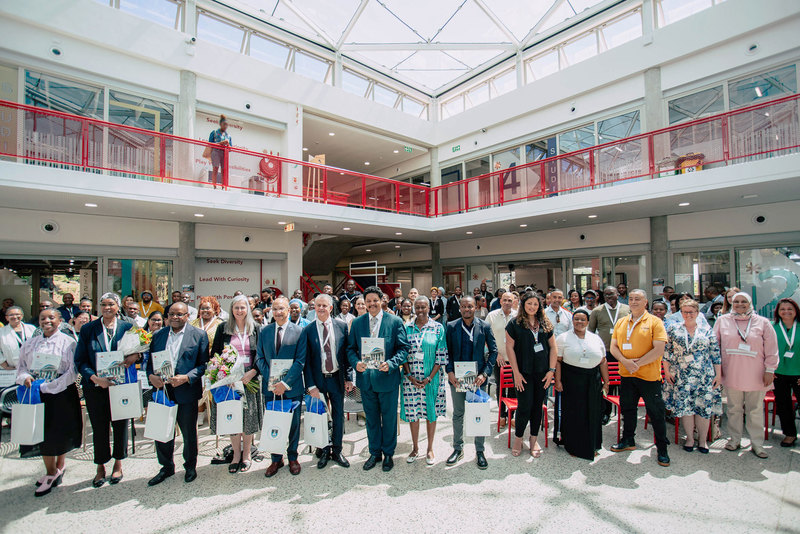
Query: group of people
[(586, 351)]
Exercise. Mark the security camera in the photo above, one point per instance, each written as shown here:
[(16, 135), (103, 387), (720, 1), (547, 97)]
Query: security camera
[(572, 109), (50, 227), (191, 40), (483, 130), (582, 237), (478, 247), (246, 238), (247, 106), (759, 219)]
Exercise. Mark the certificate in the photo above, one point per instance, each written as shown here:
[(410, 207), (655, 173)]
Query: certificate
[(278, 369), (373, 353), (45, 365), (109, 365), (466, 373), (163, 365)]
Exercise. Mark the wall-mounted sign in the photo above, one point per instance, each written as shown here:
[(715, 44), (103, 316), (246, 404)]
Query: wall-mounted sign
[(289, 227)]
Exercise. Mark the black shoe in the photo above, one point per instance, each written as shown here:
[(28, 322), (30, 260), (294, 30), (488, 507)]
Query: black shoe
[(688, 448), (663, 460), (319, 452), (115, 480), (160, 477), (372, 461), (455, 457), (190, 475), (623, 445), (606, 419), (340, 459), (323, 459), (388, 463), (482, 463), (98, 482)]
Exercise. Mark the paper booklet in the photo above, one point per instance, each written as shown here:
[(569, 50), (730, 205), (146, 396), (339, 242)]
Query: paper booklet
[(373, 353), (162, 364), (466, 373), (45, 366), (278, 369), (109, 365)]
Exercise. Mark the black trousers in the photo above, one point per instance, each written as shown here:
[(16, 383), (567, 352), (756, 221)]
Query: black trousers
[(99, 408), (332, 390), (510, 393), (785, 385), (529, 405), (631, 390), (187, 422)]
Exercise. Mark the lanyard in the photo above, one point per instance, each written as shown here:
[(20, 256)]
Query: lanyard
[(241, 337), (109, 340), (147, 311), (204, 326), (746, 332), (21, 336), (535, 333), (616, 314), (581, 343), (789, 339), (694, 338), (469, 332), (631, 327)]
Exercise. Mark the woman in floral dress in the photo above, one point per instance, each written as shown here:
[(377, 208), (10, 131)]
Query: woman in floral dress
[(423, 380), (692, 379)]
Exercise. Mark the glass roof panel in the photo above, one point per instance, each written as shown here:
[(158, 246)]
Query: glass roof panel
[(475, 58), (385, 58), (471, 25), (425, 17), (159, 11), (377, 25), (519, 16), (332, 21)]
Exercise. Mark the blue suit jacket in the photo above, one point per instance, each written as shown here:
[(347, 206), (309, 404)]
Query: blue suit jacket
[(266, 353), (395, 343), (90, 342), (191, 361), (482, 337), (309, 348)]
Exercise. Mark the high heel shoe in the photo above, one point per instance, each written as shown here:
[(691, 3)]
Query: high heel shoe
[(536, 449), (516, 449)]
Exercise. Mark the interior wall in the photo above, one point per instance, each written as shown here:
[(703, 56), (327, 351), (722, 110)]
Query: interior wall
[(779, 217)]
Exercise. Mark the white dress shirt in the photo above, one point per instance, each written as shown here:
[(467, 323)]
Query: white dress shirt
[(174, 341), (561, 320), (586, 353), (498, 321)]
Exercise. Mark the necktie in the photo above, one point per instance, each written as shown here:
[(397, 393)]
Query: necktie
[(328, 353), (373, 325), (278, 341)]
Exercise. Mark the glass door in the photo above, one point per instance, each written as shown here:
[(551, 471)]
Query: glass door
[(585, 274)]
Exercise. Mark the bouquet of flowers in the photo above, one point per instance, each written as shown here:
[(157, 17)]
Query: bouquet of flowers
[(134, 341), (227, 369)]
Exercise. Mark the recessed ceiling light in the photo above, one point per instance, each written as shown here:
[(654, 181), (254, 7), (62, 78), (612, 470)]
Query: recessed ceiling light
[(341, 173), (199, 215), (592, 216), (90, 205), (397, 246), (469, 233), (346, 228), (750, 196), (331, 134), (398, 233), (684, 204), (366, 163), (281, 222), (369, 250), (525, 225), (396, 151), (305, 149)]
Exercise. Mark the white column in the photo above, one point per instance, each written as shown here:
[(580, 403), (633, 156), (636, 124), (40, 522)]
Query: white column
[(292, 148), (436, 172)]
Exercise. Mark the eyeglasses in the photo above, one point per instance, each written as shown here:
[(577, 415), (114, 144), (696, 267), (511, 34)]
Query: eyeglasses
[(175, 314)]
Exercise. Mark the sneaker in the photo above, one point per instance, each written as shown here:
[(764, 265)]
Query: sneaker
[(623, 446)]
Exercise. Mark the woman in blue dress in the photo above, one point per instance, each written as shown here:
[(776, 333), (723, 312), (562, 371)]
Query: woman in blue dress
[(692, 379), (424, 386)]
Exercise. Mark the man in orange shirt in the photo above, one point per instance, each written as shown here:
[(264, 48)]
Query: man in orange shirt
[(638, 344)]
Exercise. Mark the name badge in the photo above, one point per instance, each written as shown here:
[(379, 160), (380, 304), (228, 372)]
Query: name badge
[(584, 359), (538, 348), (744, 346), (627, 346), (611, 331), (788, 354), (688, 358)]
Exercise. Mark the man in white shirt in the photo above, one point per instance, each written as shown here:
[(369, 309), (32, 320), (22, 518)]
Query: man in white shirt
[(187, 298), (560, 318), (132, 314), (498, 320)]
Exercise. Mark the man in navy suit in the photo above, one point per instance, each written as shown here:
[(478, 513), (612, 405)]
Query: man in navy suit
[(188, 347), (278, 340), (379, 387), (323, 346), (467, 340)]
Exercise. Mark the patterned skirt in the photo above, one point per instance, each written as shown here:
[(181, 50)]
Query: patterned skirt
[(253, 406)]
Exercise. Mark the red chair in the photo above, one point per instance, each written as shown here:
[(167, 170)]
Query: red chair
[(507, 381), (769, 398)]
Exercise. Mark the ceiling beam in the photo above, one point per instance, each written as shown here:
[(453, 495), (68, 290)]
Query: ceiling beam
[(356, 47), (497, 22), (531, 34), (361, 7), (311, 24)]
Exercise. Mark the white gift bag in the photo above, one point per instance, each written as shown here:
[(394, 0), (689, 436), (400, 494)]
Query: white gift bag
[(230, 417), (476, 419), (126, 401), (275, 432), (160, 423), (315, 429), (27, 424)]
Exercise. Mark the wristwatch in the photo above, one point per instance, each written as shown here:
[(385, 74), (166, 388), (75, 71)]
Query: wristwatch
[(552, 370)]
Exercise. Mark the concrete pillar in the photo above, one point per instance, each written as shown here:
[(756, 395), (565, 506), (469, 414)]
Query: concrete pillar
[(436, 267), (659, 249), (293, 266), (183, 273), (436, 172), (292, 148), (653, 103), (648, 21), (184, 155)]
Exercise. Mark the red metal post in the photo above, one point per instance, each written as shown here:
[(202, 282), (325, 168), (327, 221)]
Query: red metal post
[(325, 186), (465, 185), (725, 139), (397, 197), (162, 157), (591, 169), (651, 155), (84, 144), (225, 165), (363, 191), (501, 189)]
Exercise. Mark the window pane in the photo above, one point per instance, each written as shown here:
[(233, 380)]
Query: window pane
[(763, 86), (581, 48), (536, 151), (161, 12), (670, 11), (576, 139), (478, 95), (543, 65), (220, 33), (504, 83), (476, 167), (623, 30), (695, 271), (384, 95), (412, 107), (45, 91), (451, 174), (619, 127), (310, 66), (353, 83), (140, 112), (768, 275), (268, 51), (453, 107), (696, 105), (502, 160)]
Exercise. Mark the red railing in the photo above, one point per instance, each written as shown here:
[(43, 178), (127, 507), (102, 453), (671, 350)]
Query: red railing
[(759, 131), (44, 137)]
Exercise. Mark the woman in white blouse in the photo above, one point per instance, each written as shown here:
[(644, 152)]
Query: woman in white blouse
[(62, 407), (580, 367), (12, 336)]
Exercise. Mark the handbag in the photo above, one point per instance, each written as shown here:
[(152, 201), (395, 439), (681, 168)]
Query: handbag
[(162, 414), (230, 414), (27, 422), (315, 423), (126, 401), (277, 426)]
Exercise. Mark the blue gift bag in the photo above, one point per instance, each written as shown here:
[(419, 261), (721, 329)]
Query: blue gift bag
[(31, 395), (315, 405), (285, 405), (225, 393), (160, 397), (477, 396), (131, 376)]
